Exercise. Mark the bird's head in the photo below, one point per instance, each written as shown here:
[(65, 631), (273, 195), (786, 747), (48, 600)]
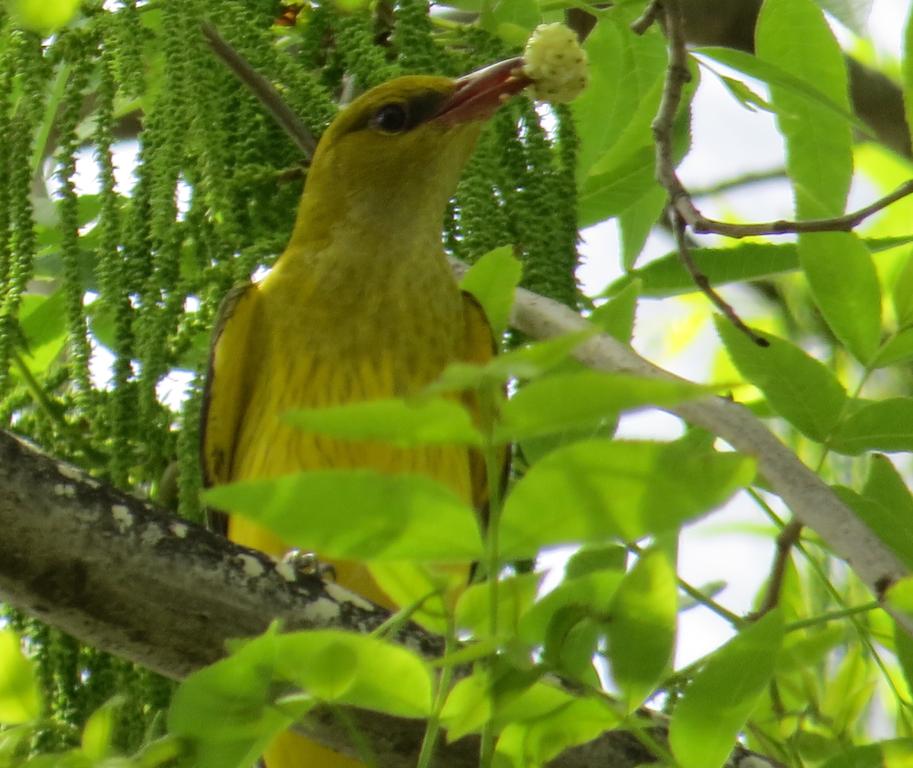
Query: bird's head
[(400, 147)]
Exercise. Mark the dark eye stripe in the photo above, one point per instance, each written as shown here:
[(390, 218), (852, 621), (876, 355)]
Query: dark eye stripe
[(419, 109)]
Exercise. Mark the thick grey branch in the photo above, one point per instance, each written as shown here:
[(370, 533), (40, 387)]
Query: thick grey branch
[(811, 501), (127, 578)]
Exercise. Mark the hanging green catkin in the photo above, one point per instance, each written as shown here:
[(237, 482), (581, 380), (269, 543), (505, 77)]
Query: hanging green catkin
[(159, 296), (414, 40), (126, 37), (482, 222), (565, 190), (70, 107), (549, 267), (30, 73), (112, 272), (364, 60)]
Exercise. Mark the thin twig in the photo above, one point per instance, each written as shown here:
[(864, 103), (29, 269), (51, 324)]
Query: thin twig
[(677, 75), (786, 540), (263, 89), (849, 221), (645, 20), (703, 283), (680, 199)]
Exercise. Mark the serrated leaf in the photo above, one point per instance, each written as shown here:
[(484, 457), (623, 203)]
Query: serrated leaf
[(624, 69), (641, 629), (616, 316), (774, 74), (524, 363), (902, 290), (794, 36), (387, 517), (616, 187), (897, 349), (798, 387), (883, 425), (720, 698), (637, 221), (746, 261), (568, 401), (598, 490), (853, 14), (399, 422), (493, 280), (844, 284)]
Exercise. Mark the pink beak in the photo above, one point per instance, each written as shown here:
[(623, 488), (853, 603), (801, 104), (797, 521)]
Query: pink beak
[(479, 94)]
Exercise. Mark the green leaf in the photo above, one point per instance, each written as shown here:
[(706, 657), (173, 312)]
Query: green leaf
[(512, 20), (524, 363), (581, 399), (44, 325), (20, 696), (746, 261), (606, 557), (844, 284), (468, 706), (399, 422), (883, 425), (387, 517), (98, 731), (774, 73), (515, 597), (226, 712), (597, 490), (614, 189), (642, 626), (885, 507), (853, 14), (352, 669), (907, 71), (44, 16), (534, 742), (794, 35), (902, 291), (589, 595), (895, 753), (744, 95), (719, 700), (616, 316), (903, 647), (885, 486), (637, 221), (625, 72), (897, 349), (493, 280), (798, 387)]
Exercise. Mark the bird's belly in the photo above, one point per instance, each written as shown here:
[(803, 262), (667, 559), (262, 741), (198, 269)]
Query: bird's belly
[(269, 447)]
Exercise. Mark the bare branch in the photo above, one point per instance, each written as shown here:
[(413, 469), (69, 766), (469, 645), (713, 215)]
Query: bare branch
[(786, 540), (263, 89)]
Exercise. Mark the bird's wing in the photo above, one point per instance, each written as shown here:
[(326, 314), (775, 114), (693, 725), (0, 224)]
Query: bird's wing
[(479, 346), (226, 394)]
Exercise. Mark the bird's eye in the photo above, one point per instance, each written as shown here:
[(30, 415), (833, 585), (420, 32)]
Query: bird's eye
[(391, 118)]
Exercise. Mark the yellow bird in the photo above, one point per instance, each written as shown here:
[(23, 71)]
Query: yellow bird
[(361, 305)]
